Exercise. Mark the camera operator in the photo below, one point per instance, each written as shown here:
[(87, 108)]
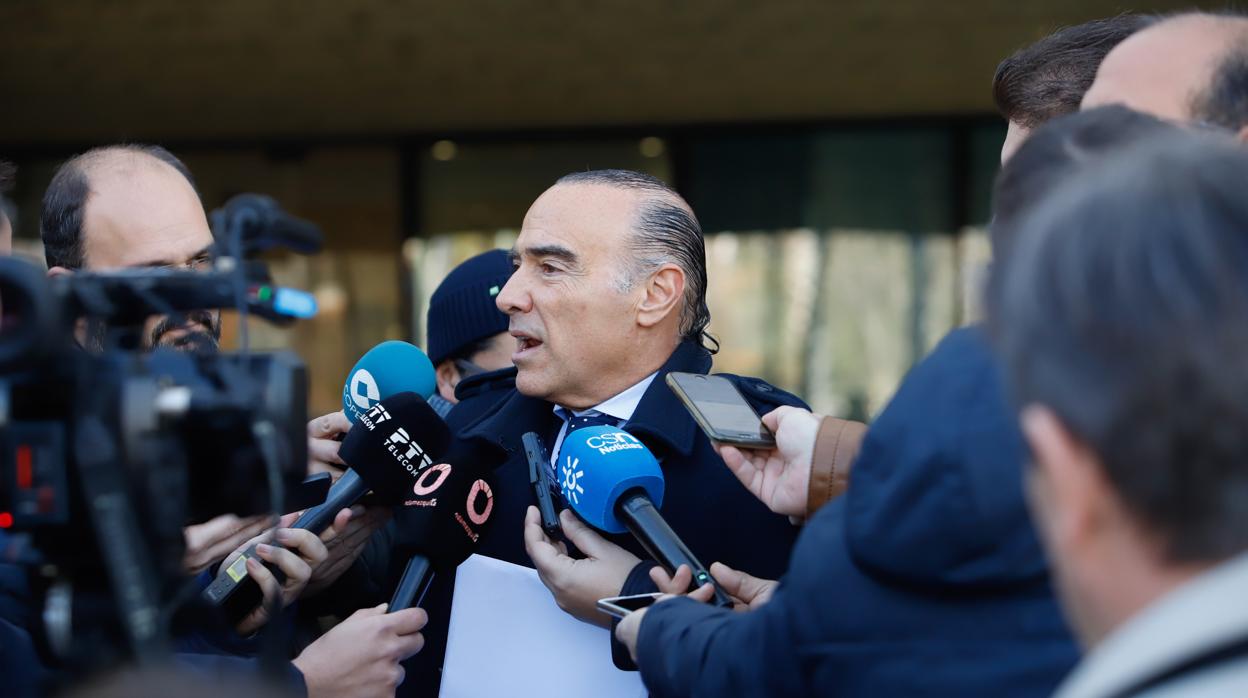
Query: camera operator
[(137, 206)]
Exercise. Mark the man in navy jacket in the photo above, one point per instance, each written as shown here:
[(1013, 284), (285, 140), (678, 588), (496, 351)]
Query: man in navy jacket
[(924, 579)]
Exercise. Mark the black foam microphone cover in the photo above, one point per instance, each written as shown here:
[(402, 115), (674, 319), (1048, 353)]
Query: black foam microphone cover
[(393, 443), (446, 512)]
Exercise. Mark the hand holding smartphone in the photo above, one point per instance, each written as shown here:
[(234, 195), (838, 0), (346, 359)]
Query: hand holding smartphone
[(620, 606), (720, 409)]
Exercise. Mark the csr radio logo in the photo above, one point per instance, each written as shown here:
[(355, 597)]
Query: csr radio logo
[(613, 441), (363, 392), (413, 457), (373, 417)]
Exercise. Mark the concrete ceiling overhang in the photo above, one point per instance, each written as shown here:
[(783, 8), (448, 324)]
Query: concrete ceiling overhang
[(91, 70)]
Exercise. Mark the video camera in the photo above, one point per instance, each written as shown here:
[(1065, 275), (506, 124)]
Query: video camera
[(101, 438)]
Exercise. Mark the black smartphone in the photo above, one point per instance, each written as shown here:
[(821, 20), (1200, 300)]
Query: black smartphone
[(620, 606), (720, 409), (541, 478)]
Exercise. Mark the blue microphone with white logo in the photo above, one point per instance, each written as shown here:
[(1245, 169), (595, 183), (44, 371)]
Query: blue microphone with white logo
[(613, 482), (388, 368)]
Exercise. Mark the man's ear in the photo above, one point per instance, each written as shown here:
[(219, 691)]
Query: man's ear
[(448, 377), (1242, 136), (664, 293), (1073, 490), (59, 271)]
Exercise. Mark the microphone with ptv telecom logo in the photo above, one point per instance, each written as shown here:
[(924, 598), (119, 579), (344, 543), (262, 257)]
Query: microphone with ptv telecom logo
[(387, 369), (388, 450), (613, 482)]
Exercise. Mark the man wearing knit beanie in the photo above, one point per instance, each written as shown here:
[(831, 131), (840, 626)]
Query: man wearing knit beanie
[(467, 332)]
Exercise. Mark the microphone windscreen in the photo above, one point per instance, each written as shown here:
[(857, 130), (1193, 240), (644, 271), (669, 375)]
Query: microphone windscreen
[(388, 368), (392, 443), (446, 512), (597, 465)]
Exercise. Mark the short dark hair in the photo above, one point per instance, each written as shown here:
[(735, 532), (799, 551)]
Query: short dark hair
[(61, 215), (1049, 78), (666, 230), (1055, 153), (1225, 101), (1122, 309)]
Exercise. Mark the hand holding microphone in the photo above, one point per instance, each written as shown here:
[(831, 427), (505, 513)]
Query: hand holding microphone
[(388, 368), (387, 449), (292, 551), (449, 509), (613, 482), (577, 584)]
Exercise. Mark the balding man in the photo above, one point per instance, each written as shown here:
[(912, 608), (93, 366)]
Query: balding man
[(1190, 68), (136, 206), (131, 206)]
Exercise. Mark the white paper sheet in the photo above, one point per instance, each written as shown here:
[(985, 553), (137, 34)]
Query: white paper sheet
[(508, 638)]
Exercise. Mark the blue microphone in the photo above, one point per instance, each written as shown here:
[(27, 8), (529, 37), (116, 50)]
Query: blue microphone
[(388, 368), (613, 482)]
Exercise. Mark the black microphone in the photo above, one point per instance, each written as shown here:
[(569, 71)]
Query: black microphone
[(265, 225), (386, 449), (440, 525)]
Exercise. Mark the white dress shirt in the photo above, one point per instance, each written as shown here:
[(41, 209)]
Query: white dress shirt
[(621, 406)]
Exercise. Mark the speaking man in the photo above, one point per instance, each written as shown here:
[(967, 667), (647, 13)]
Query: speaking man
[(608, 296)]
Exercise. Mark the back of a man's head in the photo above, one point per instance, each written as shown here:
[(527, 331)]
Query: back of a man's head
[(62, 215), (1121, 311), (1054, 154), (1188, 67), (1049, 78)]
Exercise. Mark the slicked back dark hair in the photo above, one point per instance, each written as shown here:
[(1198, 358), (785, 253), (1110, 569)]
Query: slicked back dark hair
[(1122, 310), (65, 201), (1049, 78), (665, 231)]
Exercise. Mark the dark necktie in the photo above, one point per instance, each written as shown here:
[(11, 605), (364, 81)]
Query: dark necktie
[(592, 419)]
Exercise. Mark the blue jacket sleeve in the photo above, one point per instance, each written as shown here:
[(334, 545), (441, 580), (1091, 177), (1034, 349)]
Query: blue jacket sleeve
[(638, 582), (686, 648)]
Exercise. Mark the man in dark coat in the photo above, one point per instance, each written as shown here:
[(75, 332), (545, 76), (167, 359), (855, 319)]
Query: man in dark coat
[(924, 579), (607, 298)]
